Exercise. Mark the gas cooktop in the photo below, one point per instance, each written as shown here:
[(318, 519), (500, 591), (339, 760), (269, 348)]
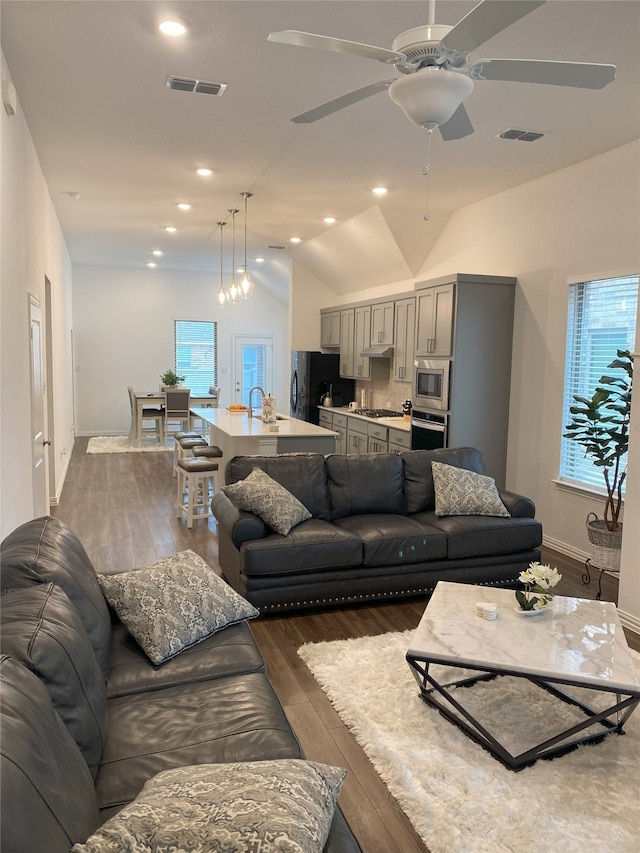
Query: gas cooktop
[(377, 413)]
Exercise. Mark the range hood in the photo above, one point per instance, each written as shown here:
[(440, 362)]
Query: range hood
[(377, 351)]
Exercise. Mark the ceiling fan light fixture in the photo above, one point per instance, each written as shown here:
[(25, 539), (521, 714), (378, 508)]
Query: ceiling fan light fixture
[(431, 96)]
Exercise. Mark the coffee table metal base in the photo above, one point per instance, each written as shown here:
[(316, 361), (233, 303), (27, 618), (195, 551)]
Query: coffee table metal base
[(433, 693)]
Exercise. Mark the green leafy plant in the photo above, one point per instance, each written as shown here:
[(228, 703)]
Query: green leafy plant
[(537, 580), (171, 378), (600, 424)]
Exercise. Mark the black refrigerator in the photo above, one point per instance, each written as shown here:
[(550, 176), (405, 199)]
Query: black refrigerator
[(314, 374)]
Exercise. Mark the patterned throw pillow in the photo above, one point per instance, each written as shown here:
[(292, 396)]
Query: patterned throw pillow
[(174, 604), (462, 492), (260, 494), (280, 805)]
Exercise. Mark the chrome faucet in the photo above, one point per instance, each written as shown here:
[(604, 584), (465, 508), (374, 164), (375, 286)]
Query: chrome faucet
[(255, 388)]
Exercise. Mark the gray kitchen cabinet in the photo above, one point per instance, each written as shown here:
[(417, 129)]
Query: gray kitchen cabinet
[(347, 343), (325, 418), (435, 317), (399, 440), (404, 339), (362, 335), (340, 427), (382, 331), (330, 329), (378, 438), (357, 436)]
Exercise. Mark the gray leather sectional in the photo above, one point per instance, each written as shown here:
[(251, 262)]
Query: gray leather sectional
[(373, 534), (86, 718)]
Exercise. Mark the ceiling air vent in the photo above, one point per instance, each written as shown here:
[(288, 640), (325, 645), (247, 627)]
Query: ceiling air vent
[(275, 247), (188, 84), (521, 135)]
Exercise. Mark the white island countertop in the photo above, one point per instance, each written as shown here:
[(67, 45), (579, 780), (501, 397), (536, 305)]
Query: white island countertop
[(236, 434)]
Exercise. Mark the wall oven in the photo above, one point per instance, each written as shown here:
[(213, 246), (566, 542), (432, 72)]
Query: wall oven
[(428, 430), (432, 383)]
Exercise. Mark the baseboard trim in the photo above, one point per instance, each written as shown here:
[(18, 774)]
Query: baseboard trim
[(563, 548), (628, 620)]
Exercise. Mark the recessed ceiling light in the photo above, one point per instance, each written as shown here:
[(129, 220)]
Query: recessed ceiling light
[(172, 28), (170, 228), (295, 239), (204, 173), (184, 206), (379, 190), (329, 220), (157, 252), (259, 260), (151, 264)]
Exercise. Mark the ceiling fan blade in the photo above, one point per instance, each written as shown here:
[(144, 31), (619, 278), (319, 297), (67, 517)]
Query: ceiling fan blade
[(354, 48), (341, 102), (484, 21), (583, 75), (458, 126)]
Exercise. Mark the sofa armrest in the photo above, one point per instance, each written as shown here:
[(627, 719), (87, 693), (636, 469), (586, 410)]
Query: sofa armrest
[(518, 505), (239, 525)]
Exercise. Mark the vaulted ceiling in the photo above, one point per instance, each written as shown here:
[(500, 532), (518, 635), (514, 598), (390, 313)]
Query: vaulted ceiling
[(91, 80)]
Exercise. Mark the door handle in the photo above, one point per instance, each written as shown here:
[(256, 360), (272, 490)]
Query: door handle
[(45, 443)]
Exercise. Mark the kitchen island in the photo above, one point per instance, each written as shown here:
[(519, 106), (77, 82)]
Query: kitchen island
[(236, 434)]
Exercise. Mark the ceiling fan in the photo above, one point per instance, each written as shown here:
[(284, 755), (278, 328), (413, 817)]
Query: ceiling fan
[(433, 61)]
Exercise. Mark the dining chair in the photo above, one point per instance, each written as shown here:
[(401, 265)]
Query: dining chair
[(148, 414), (177, 408)]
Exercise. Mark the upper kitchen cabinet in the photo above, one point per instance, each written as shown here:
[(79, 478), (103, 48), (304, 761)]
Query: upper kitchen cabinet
[(330, 329), (405, 324), (435, 314), (382, 314), (362, 334), (347, 342)]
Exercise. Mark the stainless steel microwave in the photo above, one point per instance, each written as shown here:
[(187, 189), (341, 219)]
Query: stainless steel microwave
[(432, 384)]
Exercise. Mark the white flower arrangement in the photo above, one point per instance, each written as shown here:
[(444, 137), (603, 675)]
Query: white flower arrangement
[(538, 579)]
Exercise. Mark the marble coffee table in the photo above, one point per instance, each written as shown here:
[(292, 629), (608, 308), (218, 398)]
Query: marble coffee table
[(574, 643)]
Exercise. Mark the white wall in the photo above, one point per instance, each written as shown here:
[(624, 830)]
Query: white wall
[(32, 247), (123, 321), (577, 224)]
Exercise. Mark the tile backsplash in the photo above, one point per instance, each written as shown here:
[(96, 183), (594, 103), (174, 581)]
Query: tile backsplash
[(383, 391)]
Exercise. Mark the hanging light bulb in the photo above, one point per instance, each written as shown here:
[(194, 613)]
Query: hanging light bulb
[(233, 291), (246, 285), (221, 296)]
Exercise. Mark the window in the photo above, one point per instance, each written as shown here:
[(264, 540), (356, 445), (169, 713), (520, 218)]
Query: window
[(601, 320), (196, 354)]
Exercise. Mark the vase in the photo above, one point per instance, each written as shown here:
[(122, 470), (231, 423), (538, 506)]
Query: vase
[(531, 612)]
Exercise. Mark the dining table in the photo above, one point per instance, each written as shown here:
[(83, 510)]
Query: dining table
[(156, 399)]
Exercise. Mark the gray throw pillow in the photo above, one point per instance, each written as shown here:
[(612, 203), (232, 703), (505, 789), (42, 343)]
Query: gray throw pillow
[(260, 494), (287, 804), (462, 492), (174, 604)]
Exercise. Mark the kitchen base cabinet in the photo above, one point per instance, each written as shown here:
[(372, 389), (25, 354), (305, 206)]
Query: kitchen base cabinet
[(357, 436)]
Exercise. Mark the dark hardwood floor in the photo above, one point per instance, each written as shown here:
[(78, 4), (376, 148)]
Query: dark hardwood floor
[(122, 507)]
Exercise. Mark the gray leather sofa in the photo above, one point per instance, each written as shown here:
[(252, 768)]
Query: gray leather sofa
[(86, 718), (373, 534)]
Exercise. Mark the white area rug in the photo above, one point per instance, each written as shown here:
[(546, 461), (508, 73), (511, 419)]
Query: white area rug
[(458, 797), (120, 444)]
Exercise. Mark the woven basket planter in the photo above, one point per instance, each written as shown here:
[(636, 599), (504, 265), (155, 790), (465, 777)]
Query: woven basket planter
[(606, 545)]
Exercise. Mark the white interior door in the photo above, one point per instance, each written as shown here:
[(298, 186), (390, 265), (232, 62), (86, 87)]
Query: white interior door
[(39, 442), (253, 365)]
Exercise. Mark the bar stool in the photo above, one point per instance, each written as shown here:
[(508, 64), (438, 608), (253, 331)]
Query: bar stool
[(197, 483), (184, 447), (209, 451)]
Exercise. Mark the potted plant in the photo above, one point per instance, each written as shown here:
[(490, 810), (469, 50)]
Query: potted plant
[(600, 424), (170, 379)]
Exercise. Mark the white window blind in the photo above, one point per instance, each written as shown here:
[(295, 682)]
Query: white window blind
[(196, 354), (601, 320)]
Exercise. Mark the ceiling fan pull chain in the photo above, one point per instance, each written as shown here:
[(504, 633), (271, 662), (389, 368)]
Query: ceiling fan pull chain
[(426, 172)]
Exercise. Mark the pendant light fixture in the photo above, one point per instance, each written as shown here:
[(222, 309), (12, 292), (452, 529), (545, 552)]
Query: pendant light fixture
[(246, 285), (233, 291), (221, 296)]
